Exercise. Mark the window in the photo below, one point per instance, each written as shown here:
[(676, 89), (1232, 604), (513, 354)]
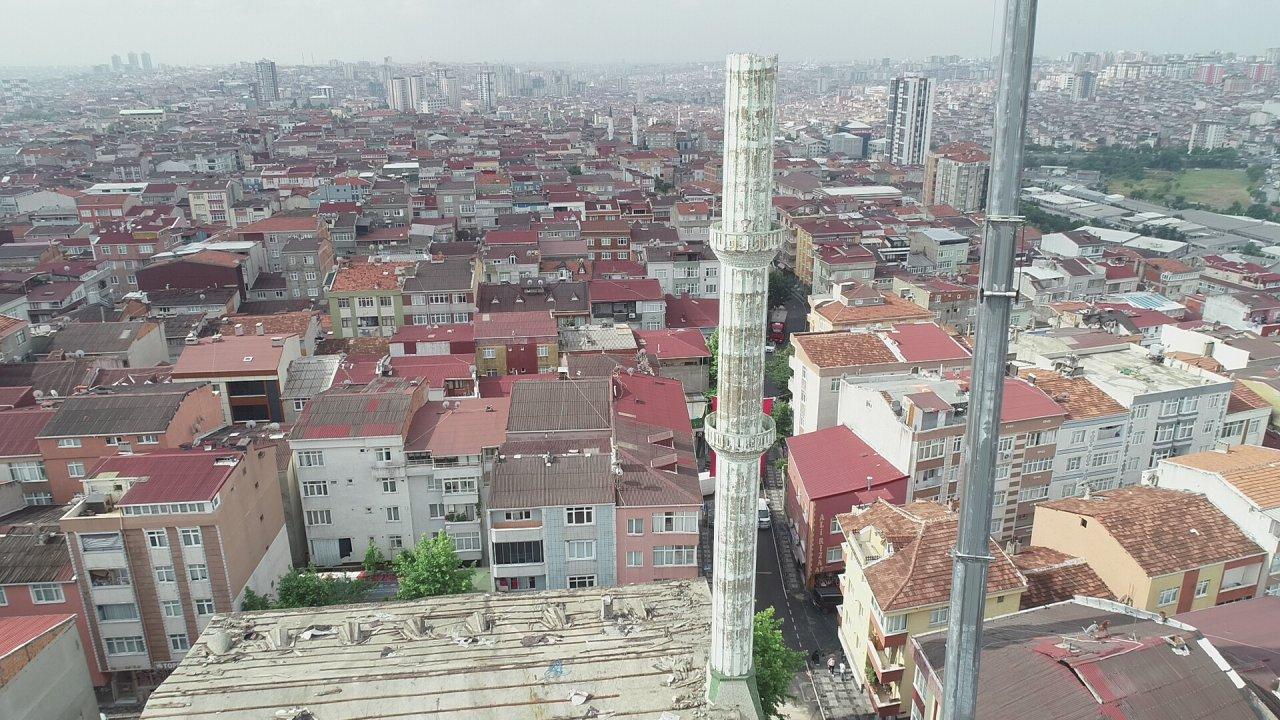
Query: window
[(311, 458), (1183, 431), (46, 593), (939, 616), (635, 558), (171, 608), (364, 302), (204, 606), (68, 442), (1037, 466), (393, 513), (835, 526), (1190, 405), (1033, 493), (468, 541), (1003, 472), (395, 542), (1077, 437), (1110, 432), (579, 515), (1005, 445), (635, 526), (1168, 597), (957, 443), (1067, 490), (319, 517), (1073, 464), (299, 405), (344, 302), (577, 582), (101, 542), (117, 612), (75, 469), (674, 555), (1202, 588), (198, 571), (1041, 437), (178, 642), (581, 550), (435, 510), (148, 440), (37, 498), (310, 276), (834, 555), (190, 537), (106, 249), (671, 522), (894, 624), (385, 301), (544, 351), (1105, 458), (164, 574), (125, 645), (315, 488), (932, 449), (382, 454), (157, 539), (1169, 407), (1164, 433), (389, 487)]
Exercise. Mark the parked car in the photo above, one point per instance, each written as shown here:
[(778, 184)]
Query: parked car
[(826, 597)]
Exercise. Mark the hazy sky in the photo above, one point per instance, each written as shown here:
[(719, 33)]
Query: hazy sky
[(50, 32)]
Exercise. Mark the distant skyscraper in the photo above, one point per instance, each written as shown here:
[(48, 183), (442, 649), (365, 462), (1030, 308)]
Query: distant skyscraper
[(116, 64), (956, 175), (485, 82), (268, 82), (146, 62), (1207, 135), (406, 93), (910, 119), (133, 61), (1083, 86)]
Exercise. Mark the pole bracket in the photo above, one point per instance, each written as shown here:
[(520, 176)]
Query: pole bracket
[(967, 558), (1011, 219), (998, 293)]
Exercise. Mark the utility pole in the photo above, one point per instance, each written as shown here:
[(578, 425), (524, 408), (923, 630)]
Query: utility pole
[(995, 300)]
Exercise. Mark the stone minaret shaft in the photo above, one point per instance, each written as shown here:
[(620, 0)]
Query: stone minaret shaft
[(745, 240)]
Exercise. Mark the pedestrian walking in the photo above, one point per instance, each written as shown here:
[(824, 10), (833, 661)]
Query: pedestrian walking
[(841, 672), (831, 665)]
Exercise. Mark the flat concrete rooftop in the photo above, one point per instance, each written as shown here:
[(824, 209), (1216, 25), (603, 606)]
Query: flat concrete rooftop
[(637, 651)]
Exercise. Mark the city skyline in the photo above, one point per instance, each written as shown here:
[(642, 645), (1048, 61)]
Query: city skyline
[(577, 31)]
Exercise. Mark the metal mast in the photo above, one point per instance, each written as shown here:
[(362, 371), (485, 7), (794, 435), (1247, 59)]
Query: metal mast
[(996, 295), (745, 240)]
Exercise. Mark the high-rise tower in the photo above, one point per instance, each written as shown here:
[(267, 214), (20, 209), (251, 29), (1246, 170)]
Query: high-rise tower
[(485, 83), (745, 240), (910, 119), (268, 81)]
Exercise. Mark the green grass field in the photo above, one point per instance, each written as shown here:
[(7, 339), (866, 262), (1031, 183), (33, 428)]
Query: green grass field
[(1214, 188)]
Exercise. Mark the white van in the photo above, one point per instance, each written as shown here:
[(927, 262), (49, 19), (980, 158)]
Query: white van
[(762, 514)]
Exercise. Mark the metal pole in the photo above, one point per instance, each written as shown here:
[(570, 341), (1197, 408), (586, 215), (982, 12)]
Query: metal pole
[(996, 295)]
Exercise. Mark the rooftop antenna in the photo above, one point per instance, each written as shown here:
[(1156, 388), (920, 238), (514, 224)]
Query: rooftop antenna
[(995, 298)]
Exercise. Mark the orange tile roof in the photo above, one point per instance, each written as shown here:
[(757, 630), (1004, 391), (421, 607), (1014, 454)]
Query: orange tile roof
[(1054, 576), (918, 572), (1253, 470), (1164, 531), (370, 276), (894, 309), (843, 349), (1078, 395), (1244, 398)]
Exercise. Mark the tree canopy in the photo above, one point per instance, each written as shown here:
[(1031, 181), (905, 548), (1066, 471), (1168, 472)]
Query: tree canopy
[(431, 568), (304, 587), (776, 664)]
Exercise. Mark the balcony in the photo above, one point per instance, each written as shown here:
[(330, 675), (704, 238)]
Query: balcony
[(886, 698), (882, 639), (515, 531), (887, 663), (519, 570)]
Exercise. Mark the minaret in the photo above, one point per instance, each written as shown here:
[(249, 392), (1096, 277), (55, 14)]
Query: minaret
[(745, 240), (635, 128)]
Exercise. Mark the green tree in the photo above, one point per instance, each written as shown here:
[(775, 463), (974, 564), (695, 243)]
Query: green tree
[(575, 170), (374, 561), (782, 419), (1259, 211), (432, 568), (782, 286), (778, 369), (1255, 173), (776, 664), (307, 588), (253, 601), (1252, 249)]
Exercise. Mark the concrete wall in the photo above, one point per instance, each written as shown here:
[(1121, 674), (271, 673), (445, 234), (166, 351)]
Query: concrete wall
[(53, 685)]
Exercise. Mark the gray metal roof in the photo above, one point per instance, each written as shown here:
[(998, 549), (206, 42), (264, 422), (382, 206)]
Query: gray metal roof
[(23, 559), (532, 481), (311, 375), (130, 410), (562, 406), (96, 338)]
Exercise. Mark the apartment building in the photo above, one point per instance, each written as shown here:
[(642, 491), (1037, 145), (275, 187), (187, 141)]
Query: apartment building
[(125, 419), (212, 201), (607, 239), (1174, 408), (1157, 549), (442, 290), (684, 269), (248, 371), (839, 263), (636, 302), (349, 448), (917, 423), (853, 305), (946, 251), (276, 232), (1091, 442), (811, 233), (956, 175), (822, 359), (366, 299), (828, 472), (952, 304), (896, 585), (1243, 483), (161, 542), (307, 262), (516, 343), (23, 480)]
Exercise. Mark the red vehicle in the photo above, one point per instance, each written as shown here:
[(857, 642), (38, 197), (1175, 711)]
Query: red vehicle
[(778, 325)]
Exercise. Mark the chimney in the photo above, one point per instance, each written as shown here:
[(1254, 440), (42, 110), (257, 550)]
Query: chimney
[(259, 329), (277, 342), (239, 329)]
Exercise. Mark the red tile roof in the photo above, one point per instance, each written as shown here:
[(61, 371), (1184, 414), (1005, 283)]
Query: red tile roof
[(690, 312), (164, 477), (507, 325), (625, 290), (835, 461), (19, 428), (680, 343), (232, 355), (458, 427), (18, 632), (926, 342), (370, 276)]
